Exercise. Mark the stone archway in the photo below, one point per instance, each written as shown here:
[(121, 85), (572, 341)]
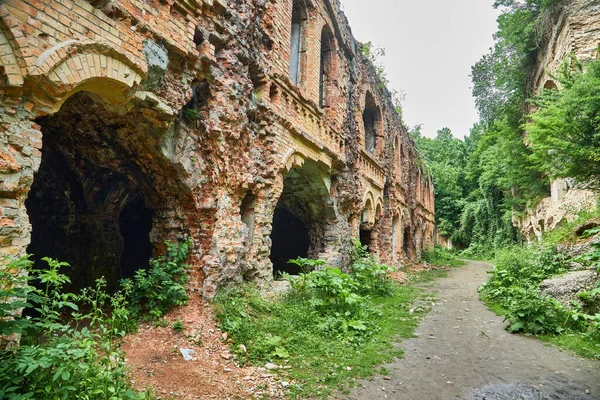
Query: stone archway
[(303, 219), (103, 192)]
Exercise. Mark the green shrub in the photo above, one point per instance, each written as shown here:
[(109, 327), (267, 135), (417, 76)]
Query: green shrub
[(441, 256), (514, 287), (325, 302), (76, 359), (531, 313), (521, 268), (155, 291), (592, 257), (329, 289), (329, 329), (14, 293), (371, 277), (479, 251), (336, 297), (178, 326)]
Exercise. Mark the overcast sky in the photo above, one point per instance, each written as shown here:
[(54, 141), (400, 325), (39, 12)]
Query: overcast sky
[(431, 46)]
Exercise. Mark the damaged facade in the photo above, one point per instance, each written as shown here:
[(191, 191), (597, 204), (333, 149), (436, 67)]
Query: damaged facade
[(256, 128), (573, 31)]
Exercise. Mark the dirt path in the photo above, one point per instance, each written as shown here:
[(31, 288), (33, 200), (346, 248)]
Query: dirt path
[(463, 352)]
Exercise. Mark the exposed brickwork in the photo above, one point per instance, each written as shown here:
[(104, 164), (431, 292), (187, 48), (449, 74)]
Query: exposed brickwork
[(188, 104)]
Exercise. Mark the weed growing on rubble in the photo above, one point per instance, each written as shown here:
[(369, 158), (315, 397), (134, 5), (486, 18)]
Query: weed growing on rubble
[(78, 359), (154, 291), (331, 328)]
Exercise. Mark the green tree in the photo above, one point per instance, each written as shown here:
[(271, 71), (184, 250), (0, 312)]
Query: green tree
[(564, 132), (445, 157)]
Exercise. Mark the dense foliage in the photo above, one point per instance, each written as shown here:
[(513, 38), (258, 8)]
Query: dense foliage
[(154, 291), (75, 359), (514, 291), (564, 132), (331, 327), (445, 157), (65, 352), (483, 182), (441, 257)]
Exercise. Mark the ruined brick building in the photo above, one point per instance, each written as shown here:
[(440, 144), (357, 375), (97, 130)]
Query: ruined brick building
[(255, 127), (573, 29)]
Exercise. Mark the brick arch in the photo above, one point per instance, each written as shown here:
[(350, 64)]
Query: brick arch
[(368, 210), (99, 68), (550, 85), (328, 65), (372, 123), (13, 65), (373, 206), (293, 158)]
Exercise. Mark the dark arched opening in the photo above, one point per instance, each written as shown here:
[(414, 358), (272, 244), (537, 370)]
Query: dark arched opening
[(93, 199), (550, 85), (290, 240), (302, 219), (371, 120), (365, 237), (135, 223), (406, 243)]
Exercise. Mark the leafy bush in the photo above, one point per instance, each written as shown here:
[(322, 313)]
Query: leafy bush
[(339, 300), (155, 291), (592, 257), (331, 327), (563, 131), (79, 359), (329, 289), (14, 293), (371, 277), (514, 286), (325, 302), (531, 313), (521, 268), (441, 256), (178, 326)]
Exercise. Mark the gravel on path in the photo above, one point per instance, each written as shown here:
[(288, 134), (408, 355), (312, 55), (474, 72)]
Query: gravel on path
[(463, 352)]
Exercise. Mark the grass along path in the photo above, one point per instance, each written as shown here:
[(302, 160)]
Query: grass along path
[(463, 352), (310, 358)]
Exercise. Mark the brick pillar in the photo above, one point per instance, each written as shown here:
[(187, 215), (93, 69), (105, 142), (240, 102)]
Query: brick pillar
[(20, 157)]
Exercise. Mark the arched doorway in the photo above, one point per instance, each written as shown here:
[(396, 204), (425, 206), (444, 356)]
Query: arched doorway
[(101, 182), (367, 220), (302, 219)]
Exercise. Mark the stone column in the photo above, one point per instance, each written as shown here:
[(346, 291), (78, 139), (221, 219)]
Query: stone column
[(20, 157)]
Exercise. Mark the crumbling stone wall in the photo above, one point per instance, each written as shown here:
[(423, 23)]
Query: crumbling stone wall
[(573, 29), (132, 121)]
